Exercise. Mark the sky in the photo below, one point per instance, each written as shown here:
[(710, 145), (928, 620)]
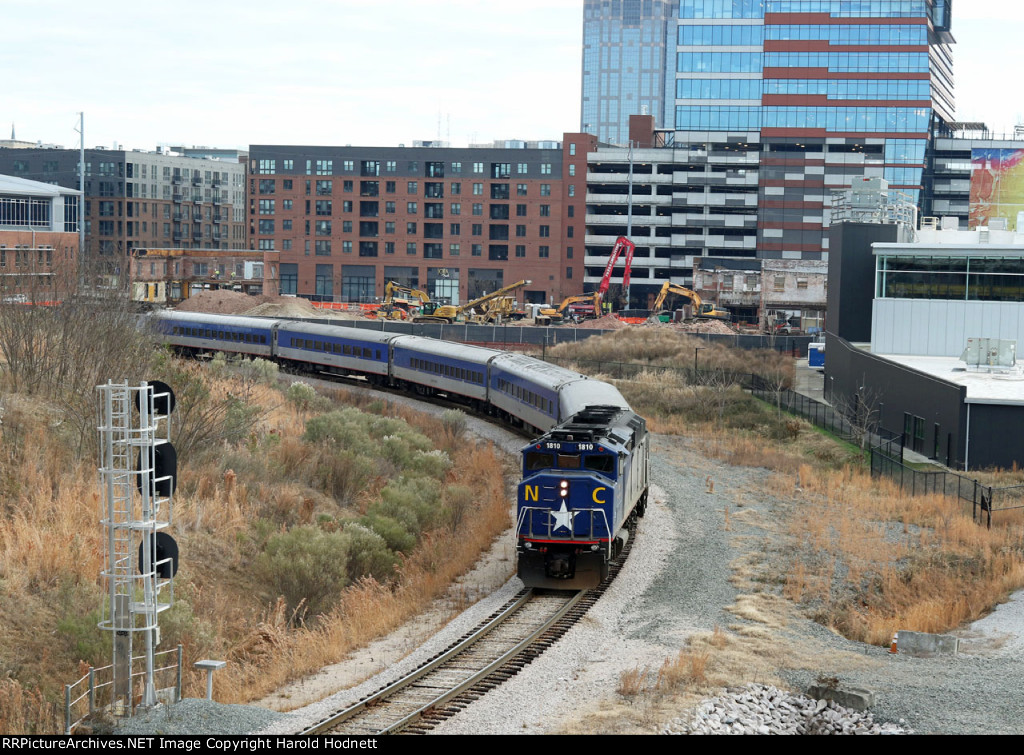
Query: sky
[(334, 72)]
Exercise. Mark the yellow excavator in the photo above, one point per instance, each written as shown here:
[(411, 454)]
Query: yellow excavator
[(702, 310), (500, 309), (397, 299), (448, 313), (555, 315)]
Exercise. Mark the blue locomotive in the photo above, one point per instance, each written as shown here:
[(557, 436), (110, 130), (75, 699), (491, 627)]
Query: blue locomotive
[(584, 482)]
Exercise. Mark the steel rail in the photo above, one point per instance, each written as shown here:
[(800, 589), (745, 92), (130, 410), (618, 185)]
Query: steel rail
[(510, 609)]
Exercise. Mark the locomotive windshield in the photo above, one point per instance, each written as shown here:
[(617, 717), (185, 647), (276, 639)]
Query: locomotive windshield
[(536, 461)]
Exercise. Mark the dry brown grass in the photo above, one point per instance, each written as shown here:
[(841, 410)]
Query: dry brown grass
[(863, 558), (231, 496)]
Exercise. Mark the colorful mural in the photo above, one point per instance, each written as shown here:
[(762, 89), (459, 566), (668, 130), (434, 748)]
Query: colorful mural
[(997, 185)]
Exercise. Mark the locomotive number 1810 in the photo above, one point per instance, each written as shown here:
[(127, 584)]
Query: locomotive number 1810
[(578, 446)]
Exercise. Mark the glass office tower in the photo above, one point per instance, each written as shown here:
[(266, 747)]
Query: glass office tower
[(628, 65), (812, 93)]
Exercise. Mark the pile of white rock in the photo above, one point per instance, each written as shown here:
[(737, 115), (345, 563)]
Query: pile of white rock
[(760, 709)]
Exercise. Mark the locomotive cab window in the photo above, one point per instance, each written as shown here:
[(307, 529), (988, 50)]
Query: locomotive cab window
[(535, 461), (600, 463)]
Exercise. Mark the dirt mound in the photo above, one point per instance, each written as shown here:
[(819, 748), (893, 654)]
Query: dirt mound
[(608, 322), (284, 306), (218, 302), (235, 303), (707, 326)]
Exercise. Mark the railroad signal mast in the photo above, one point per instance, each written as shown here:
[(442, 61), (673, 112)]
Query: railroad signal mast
[(138, 470)]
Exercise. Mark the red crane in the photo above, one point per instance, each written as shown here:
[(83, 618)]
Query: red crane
[(622, 244)]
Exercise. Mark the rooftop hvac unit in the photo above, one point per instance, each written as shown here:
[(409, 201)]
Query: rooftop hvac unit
[(950, 223), (990, 353), (998, 224)]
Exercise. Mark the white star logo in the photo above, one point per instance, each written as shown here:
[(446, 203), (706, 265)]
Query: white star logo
[(563, 517)]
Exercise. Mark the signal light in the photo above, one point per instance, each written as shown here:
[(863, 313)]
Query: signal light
[(161, 548)]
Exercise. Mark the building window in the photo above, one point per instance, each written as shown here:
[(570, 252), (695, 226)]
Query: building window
[(478, 189), (478, 167), (410, 228), (324, 188), (544, 252), (780, 283), (520, 250), (453, 250), (545, 231), (413, 187), (478, 209), (323, 248), (572, 169), (410, 247), (520, 230), (572, 190), (455, 229), (478, 229), (521, 190), (324, 167), (545, 169), (411, 208), (456, 208), (545, 190), (568, 273), (545, 210)]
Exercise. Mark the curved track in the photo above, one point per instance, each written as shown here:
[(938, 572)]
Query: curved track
[(494, 651)]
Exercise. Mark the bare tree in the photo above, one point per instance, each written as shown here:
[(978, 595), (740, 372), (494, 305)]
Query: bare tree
[(862, 411), (60, 343)]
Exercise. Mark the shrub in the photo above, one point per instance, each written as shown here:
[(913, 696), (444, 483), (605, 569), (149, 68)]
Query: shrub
[(395, 533), (343, 474), (301, 395), (368, 554), (306, 566)]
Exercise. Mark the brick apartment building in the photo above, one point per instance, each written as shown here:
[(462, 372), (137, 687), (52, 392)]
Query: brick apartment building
[(454, 222), (143, 199)]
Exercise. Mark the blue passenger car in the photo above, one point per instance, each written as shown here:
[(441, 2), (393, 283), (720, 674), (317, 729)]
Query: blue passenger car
[(333, 348), (199, 331), (430, 366)]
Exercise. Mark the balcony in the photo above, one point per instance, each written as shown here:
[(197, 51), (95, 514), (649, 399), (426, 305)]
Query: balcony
[(178, 198), (218, 218)]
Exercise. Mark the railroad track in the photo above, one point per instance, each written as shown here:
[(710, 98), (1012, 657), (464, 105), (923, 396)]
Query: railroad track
[(495, 650)]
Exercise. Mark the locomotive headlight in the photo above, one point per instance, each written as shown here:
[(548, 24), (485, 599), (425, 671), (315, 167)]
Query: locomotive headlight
[(563, 489)]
